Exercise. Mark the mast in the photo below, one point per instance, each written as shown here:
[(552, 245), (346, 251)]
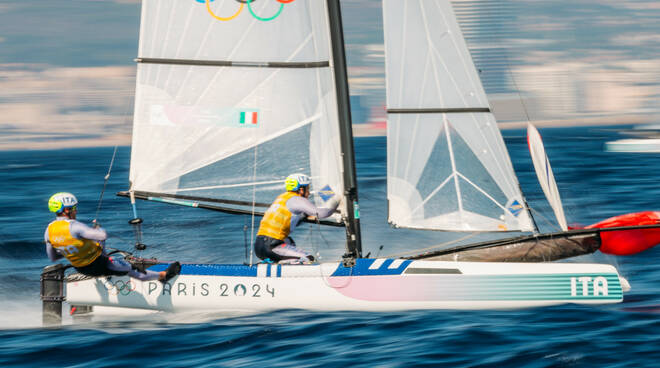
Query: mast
[(353, 239)]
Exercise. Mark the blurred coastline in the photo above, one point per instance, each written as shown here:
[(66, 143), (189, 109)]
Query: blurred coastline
[(69, 81)]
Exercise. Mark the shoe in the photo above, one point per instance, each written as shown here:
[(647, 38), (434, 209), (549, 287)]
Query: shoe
[(172, 270)]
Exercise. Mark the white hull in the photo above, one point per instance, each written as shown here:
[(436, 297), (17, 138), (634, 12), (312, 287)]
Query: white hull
[(372, 285)]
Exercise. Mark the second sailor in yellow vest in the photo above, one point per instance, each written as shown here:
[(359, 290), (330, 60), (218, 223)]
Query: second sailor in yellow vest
[(83, 246), (289, 208)]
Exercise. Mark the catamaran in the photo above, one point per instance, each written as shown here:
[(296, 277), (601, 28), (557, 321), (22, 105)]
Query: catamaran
[(222, 86)]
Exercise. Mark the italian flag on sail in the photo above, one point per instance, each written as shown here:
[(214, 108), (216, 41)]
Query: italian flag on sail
[(249, 117)]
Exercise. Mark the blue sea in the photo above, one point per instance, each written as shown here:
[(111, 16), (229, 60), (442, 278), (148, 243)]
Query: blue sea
[(594, 185)]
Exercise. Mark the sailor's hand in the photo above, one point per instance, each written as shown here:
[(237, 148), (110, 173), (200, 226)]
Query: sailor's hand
[(334, 201), (311, 218), (95, 224)]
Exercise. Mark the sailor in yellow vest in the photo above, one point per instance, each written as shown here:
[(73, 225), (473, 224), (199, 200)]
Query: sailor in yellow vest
[(83, 245), (273, 241)]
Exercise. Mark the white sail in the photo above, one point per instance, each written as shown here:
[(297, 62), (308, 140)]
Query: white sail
[(448, 168), (232, 97), (545, 175)]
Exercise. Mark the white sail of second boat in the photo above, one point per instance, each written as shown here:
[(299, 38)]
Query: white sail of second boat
[(447, 165)]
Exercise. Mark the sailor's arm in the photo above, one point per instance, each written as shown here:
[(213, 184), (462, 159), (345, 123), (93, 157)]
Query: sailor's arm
[(52, 253), (299, 205), (82, 231), (331, 205)]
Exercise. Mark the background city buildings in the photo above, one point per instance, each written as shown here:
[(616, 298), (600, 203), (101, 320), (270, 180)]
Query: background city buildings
[(67, 75)]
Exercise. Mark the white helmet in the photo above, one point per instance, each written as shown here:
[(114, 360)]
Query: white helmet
[(293, 182), (59, 201)]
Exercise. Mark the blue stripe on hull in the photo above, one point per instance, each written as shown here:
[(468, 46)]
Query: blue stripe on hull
[(213, 269), (361, 269)]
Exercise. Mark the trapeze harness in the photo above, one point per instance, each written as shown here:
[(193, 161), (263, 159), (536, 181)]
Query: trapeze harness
[(273, 241), (80, 252), (276, 223), (69, 238)]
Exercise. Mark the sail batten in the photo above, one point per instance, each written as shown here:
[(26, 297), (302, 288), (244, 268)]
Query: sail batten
[(449, 110), (267, 64), (448, 168)]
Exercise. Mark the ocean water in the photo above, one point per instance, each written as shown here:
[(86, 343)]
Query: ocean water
[(594, 185)]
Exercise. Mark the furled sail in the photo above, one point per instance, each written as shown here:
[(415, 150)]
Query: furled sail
[(545, 175), (233, 96), (447, 165)]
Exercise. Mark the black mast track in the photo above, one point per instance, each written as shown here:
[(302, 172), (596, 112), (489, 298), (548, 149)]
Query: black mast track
[(160, 197), (508, 241), (353, 236), (245, 64)]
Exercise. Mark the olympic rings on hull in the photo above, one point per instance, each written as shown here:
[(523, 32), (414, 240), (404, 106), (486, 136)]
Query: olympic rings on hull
[(249, 6), (119, 287)]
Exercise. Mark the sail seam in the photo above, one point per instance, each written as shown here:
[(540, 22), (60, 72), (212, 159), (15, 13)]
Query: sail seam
[(482, 191), (438, 188), (246, 64)]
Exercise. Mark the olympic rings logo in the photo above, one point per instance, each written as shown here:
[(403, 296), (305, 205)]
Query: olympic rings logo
[(119, 287), (240, 9)]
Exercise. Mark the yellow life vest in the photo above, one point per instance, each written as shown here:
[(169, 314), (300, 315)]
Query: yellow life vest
[(80, 252), (277, 219)]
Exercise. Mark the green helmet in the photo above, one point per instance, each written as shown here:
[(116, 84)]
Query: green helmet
[(59, 201), (293, 182)]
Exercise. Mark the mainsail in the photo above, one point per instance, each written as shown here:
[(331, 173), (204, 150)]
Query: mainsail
[(447, 165), (233, 96)]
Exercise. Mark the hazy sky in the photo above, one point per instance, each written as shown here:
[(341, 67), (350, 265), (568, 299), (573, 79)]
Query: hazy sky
[(67, 71)]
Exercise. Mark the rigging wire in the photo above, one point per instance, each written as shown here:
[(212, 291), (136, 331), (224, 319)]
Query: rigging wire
[(316, 249), (529, 121), (136, 222), (515, 85), (318, 224), (552, 224), (254, 200), (127, 107), (245, 241), (105, 183), (325, 279)]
